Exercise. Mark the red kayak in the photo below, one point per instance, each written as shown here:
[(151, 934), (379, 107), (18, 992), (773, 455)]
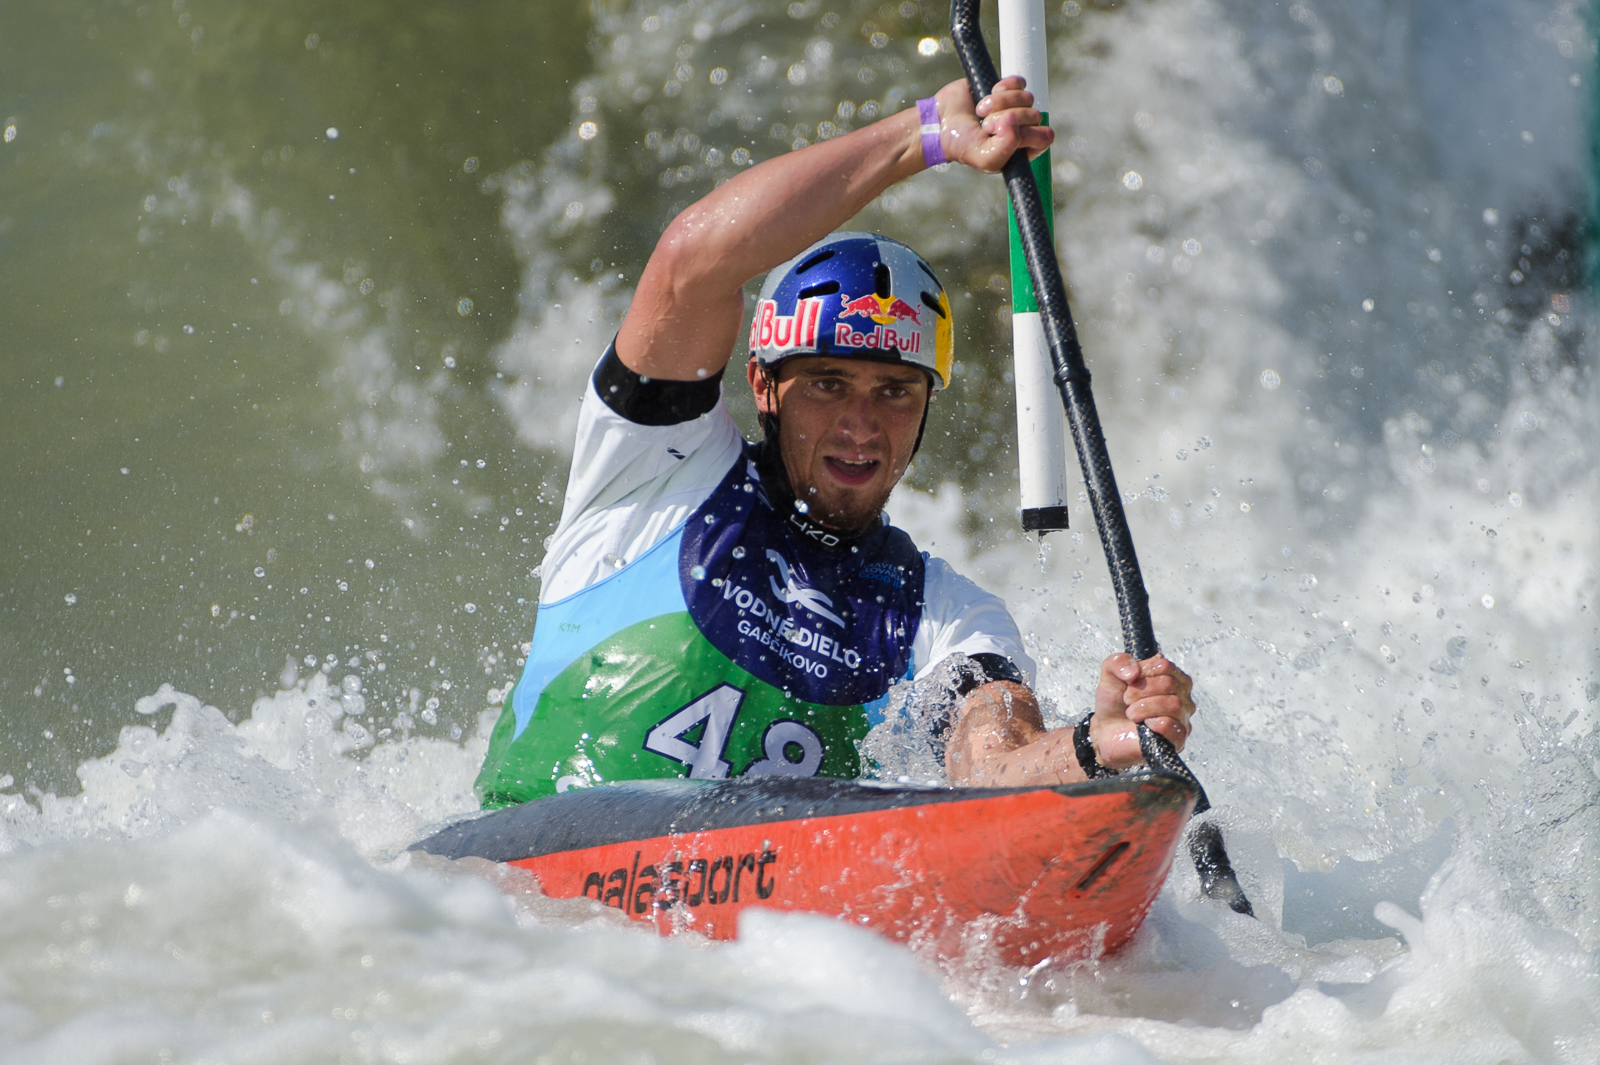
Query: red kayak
[(1056, 872)]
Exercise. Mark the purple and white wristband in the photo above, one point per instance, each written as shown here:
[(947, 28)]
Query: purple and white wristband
[(928, 116)]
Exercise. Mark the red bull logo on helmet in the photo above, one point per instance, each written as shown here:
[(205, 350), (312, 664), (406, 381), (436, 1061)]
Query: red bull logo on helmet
[(885, 310), (882, 337), (783, 332)]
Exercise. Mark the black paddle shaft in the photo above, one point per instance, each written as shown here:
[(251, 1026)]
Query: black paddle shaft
[(1217, 879)]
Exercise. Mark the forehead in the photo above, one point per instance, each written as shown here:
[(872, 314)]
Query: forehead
[(858, 371)]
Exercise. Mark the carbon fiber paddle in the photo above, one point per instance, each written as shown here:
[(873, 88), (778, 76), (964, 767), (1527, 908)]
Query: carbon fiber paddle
[(1217, 879)]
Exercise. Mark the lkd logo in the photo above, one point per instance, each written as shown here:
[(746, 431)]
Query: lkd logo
[(810, 598)]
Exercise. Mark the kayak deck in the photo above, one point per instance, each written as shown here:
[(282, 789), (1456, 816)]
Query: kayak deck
[(1060, 872)]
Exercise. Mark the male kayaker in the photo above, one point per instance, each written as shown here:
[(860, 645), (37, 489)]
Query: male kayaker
[(713, 608)]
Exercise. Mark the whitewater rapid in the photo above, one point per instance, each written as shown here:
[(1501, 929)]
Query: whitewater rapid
[(1325, 264)]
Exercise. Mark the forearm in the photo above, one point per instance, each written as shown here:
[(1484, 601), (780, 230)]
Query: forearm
[(999, 741), (687, 308), (774, 210)]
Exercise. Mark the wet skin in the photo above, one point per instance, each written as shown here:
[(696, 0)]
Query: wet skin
[(847, 430), (999, 738)]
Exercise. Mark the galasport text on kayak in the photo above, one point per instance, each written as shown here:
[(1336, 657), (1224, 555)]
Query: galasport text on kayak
[(699, 881)]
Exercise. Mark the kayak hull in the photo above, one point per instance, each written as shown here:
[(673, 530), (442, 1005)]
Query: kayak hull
[(1024, 874)]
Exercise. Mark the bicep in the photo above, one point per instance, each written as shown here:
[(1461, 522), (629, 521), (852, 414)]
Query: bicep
[(684, 319)]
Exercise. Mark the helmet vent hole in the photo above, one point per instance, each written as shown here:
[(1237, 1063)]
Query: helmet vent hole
[(880, 280), (820, 257), (930, 300), (827, 288), (928, 270)]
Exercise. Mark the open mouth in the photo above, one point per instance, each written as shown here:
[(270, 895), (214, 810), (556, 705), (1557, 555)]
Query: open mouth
[(851, 472)]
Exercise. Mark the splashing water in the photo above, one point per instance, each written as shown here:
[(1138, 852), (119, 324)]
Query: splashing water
[(1342, 347)]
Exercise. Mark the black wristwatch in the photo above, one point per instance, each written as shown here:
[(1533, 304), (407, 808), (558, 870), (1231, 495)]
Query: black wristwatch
[(1083, 747)]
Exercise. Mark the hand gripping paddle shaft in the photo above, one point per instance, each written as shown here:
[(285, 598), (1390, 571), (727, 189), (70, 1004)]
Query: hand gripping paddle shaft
[(1217, 879)]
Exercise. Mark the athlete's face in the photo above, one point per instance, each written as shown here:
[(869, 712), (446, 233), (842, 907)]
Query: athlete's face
[(846, 430)]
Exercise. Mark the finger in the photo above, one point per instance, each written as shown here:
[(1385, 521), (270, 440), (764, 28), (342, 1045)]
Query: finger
[(1035, 144), (1173, 730), (1005, 101), (1122, 666), (1012, 120), (1008, 83), (1161, 665), (1160, 684), (1156, 706)]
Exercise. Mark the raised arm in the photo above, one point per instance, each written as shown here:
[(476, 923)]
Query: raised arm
[(684, 320)]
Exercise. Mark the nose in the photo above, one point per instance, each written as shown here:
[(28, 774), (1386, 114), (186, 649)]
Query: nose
[(859, 420)]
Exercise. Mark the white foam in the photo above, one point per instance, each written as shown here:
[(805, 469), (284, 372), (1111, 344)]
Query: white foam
[(1404, 774)]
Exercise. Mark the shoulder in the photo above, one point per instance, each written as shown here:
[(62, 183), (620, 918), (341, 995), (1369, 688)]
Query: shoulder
[(958, 615), (633, 481), (633, 430), (947, 589)]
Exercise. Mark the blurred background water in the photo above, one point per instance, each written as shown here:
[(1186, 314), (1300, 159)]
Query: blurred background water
[(297, 302)]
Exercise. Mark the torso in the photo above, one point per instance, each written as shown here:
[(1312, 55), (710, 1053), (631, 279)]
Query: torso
[(730, 647)]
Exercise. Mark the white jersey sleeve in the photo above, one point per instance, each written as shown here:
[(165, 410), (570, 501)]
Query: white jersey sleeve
[(630, 486), (957, 615)]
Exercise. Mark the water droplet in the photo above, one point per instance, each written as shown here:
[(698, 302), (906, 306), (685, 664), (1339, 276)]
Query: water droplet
[(333, 133), (697, 572), (71, 598), (1488, 602), (1332, 86), (471, 608), (463, 307), (738, 552), (588, 131), (1132, 181), (260, 572), (1270, 380)]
